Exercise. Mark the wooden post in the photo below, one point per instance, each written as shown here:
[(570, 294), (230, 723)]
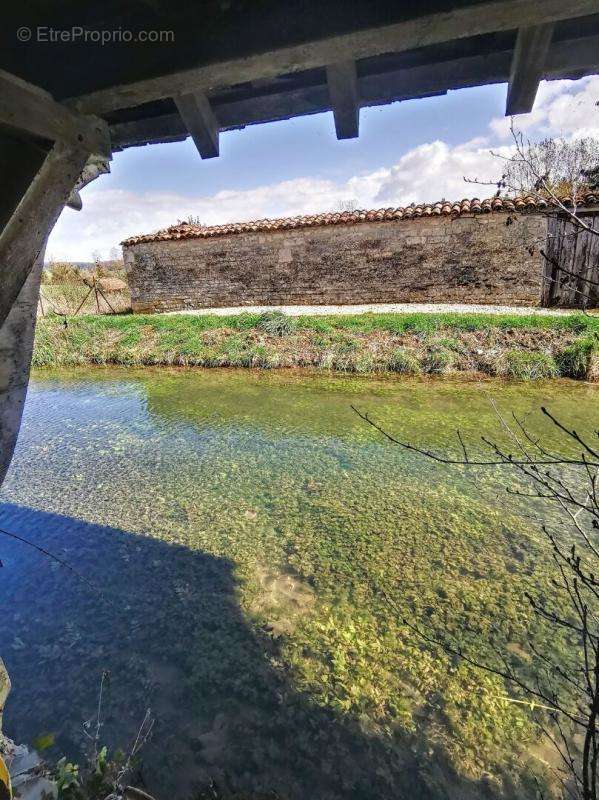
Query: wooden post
[(342, 80), (24, 236), (82, 303), (200, 121), (36, 188), (528, 63), (16, 346), (106, 300)]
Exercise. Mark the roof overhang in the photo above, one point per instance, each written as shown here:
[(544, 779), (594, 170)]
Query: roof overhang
[(237, 63)]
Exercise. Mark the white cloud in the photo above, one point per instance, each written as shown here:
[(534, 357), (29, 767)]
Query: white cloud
[(109, 216), (562, 108), (435, 170), (428, 172)]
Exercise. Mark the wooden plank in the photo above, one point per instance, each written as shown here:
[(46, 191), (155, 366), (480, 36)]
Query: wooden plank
[(25, 233), (342, 82), (572, 254), (547, 290), (25, 108), (429, 29), (200, 121), (592, 273), (528, 63), (589, 262), (563, 258), (580, 265)]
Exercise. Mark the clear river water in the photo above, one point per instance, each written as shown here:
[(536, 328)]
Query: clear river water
[(252, 546)]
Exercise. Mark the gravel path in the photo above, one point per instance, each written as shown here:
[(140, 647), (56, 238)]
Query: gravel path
[(380, 308)]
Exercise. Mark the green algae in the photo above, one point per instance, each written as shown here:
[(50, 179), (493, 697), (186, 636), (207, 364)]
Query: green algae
[(272, 659)]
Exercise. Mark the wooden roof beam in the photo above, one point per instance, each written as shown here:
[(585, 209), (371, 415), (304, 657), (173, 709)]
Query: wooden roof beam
[(342, 82), (430, 29), (30, 114), (28, 110), (200, 121), (528, 64), (573, 55)]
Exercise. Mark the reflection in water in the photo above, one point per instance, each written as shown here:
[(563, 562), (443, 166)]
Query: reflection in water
[(222, 514)]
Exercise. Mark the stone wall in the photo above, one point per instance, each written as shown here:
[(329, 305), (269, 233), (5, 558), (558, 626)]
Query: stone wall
[(490, 258)]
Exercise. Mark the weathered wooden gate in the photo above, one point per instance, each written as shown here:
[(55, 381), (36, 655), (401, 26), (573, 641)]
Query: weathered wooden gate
[(571, 276)]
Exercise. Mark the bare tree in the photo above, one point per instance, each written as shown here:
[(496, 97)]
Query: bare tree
[(558, 173), (549, 170), (564, 480), (555, 166), (192, 219), (348, 204)]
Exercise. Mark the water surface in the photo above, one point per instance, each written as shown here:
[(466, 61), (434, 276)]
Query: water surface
[(234, 524)]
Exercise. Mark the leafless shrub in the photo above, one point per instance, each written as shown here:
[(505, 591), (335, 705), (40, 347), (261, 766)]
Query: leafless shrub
[(564, 479), (64, 272)]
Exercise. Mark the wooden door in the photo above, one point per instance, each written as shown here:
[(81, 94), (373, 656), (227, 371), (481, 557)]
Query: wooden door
[(571, 277)]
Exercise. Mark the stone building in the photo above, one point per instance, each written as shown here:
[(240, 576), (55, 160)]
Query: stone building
[(472, 251)]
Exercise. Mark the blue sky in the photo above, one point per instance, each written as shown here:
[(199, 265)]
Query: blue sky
[(407, 152), (307, 146)]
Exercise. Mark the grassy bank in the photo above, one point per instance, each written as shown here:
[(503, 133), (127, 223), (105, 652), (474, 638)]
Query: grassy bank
[(525, 347)]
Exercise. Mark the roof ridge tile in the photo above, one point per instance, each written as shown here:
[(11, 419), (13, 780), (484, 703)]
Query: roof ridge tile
[(187, 230)]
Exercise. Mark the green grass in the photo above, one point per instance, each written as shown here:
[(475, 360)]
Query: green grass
[(276, 323), (405, 362), (525, 347), (357, 323), (530, 366), (430, 323), (438, 360), (575, 360)]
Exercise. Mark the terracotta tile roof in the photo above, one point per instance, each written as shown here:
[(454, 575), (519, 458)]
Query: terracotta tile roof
[(185, 230)]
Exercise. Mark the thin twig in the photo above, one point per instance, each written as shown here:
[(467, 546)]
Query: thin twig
[(53, 557)]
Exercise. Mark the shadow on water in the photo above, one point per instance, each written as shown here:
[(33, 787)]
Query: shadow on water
[(171, 632)]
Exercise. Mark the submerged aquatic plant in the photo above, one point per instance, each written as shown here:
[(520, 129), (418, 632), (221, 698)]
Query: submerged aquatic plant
[(558, 677), (230, 508)]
